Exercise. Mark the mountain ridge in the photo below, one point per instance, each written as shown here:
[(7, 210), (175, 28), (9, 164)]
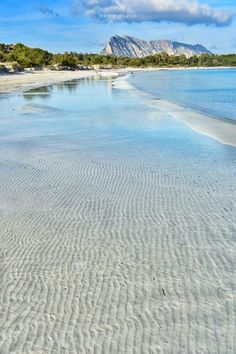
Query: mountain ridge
[(138, 48)]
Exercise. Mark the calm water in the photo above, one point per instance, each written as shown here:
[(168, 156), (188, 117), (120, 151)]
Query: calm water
[(211, 91), (90, 108), (93, 108), (91, 116)]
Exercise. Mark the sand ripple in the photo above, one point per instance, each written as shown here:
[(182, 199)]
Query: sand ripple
[(102, 254)]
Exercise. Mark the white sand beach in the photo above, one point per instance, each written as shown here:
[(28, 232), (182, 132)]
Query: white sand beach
[(23, 81)]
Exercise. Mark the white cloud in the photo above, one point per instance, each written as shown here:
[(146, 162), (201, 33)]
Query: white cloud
[(184, 11)]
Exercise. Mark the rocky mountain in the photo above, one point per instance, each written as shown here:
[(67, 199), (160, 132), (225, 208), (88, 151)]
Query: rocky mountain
[(138, 48)]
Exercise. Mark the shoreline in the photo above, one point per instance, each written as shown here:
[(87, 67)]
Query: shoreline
[(182, 68), (12, 83), (17, 83), (217, 128)]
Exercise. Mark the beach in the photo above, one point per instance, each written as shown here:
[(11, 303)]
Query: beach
[(117, 224), (26, 80), (23, 81)]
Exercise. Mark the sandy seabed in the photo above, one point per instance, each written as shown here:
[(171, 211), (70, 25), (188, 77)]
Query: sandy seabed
[(114, 244)]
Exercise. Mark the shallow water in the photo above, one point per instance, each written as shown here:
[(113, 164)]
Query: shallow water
[(210, 90), (117, 227)]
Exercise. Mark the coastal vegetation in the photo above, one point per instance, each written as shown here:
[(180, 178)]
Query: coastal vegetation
[(26, 57)]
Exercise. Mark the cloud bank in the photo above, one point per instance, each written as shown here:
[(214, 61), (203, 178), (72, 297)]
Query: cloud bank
[(183, 11)]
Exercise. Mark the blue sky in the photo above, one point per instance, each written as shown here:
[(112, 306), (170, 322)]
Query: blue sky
[(86, 25)]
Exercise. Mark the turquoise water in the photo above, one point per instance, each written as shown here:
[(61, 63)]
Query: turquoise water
[(210, 91), (87, 106), (93, 108)]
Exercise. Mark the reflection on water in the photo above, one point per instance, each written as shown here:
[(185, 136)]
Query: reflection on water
[(72, 95), (69, 86), (44, 92), (90, 107), (60, 87)]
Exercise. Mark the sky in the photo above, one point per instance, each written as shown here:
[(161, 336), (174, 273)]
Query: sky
[(86, 25)]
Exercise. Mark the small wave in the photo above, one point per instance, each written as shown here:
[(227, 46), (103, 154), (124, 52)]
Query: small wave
[(121, 83)]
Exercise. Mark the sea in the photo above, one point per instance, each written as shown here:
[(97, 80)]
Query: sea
[(212, 91)]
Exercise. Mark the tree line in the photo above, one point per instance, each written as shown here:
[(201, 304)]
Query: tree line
[(26, 57)]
